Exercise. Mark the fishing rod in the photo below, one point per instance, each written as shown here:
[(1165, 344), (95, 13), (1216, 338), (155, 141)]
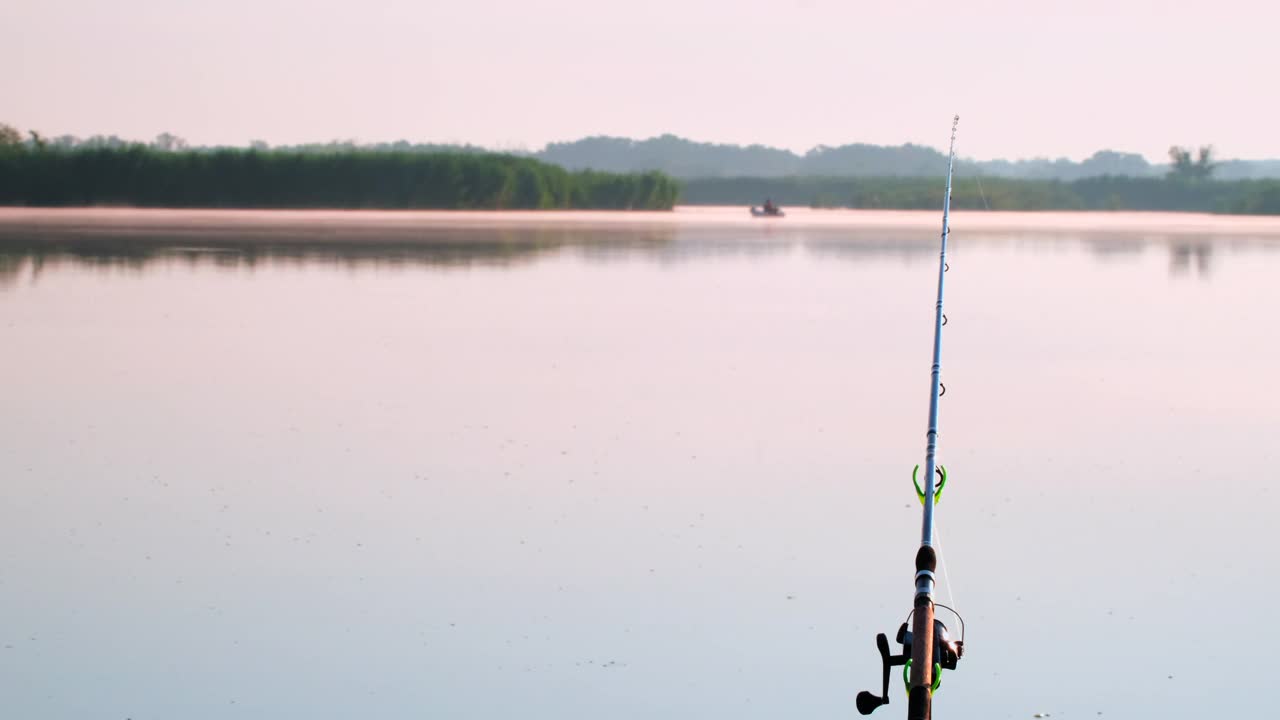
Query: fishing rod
[(927, 647)]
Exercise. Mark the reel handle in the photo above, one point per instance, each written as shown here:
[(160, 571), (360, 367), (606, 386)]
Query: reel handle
[(867, 702)]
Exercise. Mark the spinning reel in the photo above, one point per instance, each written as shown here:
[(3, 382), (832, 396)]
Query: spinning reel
[(946, 654)]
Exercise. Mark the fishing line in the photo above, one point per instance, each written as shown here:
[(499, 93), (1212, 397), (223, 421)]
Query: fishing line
[(942, 562), (977, 175)]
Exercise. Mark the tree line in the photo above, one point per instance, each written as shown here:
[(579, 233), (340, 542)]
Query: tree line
[(687, 159), (168, 173), (1172, 193), (682, 158), (38, 172)]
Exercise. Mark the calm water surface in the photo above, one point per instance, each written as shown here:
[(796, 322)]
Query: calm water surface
[(645, 471)]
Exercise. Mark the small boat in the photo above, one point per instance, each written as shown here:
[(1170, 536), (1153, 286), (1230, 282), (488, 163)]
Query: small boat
[(767, 212)]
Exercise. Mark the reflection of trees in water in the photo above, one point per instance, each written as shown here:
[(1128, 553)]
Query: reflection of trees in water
[(1204, 252), (232, 248), (1114, 246), (439, 248), (497, 247), (1185, 254), (17, 262), (11, 268), (1186, 251), (702, 243), (864, 245)]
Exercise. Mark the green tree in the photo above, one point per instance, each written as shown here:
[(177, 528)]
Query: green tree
[(1182, 167), (169, 142), (9, 136), (93, 174)]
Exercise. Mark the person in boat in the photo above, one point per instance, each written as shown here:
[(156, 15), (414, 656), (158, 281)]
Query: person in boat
[(769, 207)]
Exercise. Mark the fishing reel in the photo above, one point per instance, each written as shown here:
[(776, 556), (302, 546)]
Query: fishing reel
[(946, 654)]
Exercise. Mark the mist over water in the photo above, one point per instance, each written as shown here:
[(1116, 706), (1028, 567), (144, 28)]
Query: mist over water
[(627, 469)]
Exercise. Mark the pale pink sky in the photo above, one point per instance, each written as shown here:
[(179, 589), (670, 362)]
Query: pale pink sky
[(1028, 78)]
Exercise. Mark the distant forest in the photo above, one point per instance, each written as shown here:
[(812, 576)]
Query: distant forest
[(687, 159), (602, 173), (1187, 185), (1251, 197), (40, 173)]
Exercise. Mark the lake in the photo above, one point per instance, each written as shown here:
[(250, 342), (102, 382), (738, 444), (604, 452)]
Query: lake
[(633, 466)]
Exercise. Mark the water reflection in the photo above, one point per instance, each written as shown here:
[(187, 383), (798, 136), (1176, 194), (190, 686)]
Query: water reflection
[(1183, 256), (438, 248), (32, 251), (1113, 247)]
